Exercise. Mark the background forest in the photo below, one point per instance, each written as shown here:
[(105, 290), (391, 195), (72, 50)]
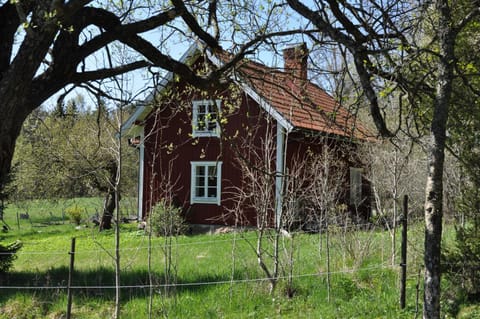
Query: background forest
[(69, 151)]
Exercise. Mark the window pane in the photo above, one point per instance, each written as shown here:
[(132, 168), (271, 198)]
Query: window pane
[(205, 183), (212, 192), (212, 181), (199, 192), (212, 171), (200, 181), (201, 109), (201, 122), (212, 108), (355, 186), (212, 125), (200, 171)]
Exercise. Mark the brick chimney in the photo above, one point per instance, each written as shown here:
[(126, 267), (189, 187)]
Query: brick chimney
[(295, 61)]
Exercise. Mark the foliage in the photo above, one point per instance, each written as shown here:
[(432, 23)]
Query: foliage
[(69, 150), (166, 220), (461, 267), (7, 255), (461, 262), (75, 213)]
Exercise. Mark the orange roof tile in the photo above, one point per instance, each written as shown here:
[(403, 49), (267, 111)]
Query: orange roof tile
[(300, 102)]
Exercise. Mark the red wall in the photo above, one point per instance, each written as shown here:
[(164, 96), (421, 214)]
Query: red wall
[(169, 149)]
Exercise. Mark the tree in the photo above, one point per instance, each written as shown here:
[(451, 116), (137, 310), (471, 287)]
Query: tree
[(48, 45), (460, 262), (389, 46), (395, 170), (71, 149)]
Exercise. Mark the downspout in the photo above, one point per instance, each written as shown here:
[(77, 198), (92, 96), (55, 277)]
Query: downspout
[(280, 174), (141, 174)]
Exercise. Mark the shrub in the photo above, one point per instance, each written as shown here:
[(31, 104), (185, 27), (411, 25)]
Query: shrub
[(74, 213), (166, 220), (7, 255), (461, 264)]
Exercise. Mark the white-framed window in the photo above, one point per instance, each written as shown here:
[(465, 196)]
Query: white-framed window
[(356, 186), (206, 182), (205, 114)]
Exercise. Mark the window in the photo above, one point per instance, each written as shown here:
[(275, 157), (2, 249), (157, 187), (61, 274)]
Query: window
[(205, 118), (355, 186), (206, 182)]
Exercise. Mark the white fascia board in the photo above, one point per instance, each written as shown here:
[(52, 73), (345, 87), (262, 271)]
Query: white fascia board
[(141, 175), (139, 114), (256, 97), (279, 176), (146, 106), (267, 107)]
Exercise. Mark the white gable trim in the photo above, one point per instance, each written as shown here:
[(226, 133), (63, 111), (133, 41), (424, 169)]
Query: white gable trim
[(141, 175), (266, 106), (256, 97), (279, 175)]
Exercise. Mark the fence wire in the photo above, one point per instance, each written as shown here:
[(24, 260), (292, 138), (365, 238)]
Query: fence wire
[(205, 283)]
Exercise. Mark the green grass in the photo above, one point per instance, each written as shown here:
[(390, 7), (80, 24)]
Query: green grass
[(43, 212), (216, 275)]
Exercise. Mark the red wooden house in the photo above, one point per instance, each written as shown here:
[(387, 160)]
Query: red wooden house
[(191, 142)]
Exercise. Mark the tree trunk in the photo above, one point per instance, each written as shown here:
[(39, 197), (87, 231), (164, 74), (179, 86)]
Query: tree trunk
[(10, 127), (110, 199), (108, 210), (433, 230), (436, 153)]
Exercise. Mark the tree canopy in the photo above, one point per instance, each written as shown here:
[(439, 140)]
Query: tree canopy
[(49, 45), (66, 153)]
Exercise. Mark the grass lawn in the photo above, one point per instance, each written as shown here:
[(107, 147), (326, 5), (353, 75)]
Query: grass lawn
[(212, 276)]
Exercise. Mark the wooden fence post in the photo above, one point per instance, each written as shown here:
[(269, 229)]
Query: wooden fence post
[(403, 264), (70, 275)]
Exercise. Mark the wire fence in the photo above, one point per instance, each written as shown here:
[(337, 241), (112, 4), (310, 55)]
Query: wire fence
[(246, 236), (103, 254), (237, 269), (205, 283)]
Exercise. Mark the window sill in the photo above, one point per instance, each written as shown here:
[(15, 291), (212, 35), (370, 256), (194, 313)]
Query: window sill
[(205, 134), (205, 201)]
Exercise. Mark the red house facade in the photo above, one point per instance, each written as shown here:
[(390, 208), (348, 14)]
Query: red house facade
[(197, 147)]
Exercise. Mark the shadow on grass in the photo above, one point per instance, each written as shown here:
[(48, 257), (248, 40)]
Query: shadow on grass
[(98, 283)]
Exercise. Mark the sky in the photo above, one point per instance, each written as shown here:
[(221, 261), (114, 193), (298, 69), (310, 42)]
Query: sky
[(139, 83)]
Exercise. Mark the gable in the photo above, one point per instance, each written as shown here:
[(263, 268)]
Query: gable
[(292, 102)]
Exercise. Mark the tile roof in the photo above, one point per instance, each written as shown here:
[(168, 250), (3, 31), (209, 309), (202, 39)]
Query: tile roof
[(302, 103)]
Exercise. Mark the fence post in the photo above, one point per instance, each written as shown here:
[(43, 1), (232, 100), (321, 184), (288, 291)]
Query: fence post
[(70, 275), (403, 264)]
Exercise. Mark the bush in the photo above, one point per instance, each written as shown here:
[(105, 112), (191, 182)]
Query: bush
[(7, 255), (461, 264), (166, 220), (75, 213)]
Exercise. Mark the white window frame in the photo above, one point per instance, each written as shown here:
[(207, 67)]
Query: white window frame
[(206, 132), (205, 199), (356, 186)]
